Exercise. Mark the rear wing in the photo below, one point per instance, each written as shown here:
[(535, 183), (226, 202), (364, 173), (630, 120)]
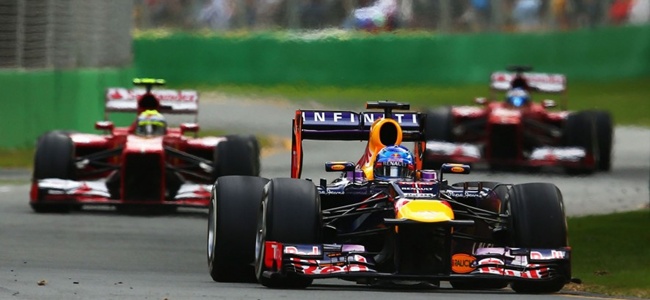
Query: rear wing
[(541, 82), (350, 126), (171, 101)]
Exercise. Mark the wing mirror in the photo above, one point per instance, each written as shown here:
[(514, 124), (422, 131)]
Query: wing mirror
[(454, 169), (480, 100), (549, 103), (189, 127), (104, 125)]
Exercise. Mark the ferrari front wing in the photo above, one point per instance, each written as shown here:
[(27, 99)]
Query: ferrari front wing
[(62, 191)]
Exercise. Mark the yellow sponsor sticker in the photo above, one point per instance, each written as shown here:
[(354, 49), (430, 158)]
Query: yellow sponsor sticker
[(338, 167)]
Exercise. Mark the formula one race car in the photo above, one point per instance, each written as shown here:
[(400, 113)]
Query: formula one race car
[(145, 165), (519, 132), (383, 221)]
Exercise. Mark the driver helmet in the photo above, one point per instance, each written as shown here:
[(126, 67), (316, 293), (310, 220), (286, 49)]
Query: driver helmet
[(151, 123), (394, 162), (517, 97)]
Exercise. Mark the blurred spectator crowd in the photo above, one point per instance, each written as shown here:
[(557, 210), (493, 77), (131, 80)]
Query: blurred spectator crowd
[(385, 15)]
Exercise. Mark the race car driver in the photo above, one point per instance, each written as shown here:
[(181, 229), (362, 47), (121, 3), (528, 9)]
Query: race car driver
[(394, 163), (517, 97), (151, 123)]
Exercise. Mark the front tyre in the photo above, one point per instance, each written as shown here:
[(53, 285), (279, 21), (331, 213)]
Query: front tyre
[(290, 213), (54, 158), (537, 220), (232, 223)]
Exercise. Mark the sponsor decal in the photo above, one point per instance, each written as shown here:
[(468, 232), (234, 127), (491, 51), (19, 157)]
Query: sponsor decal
[(466, 194), (420, 195), (302, 250), (547, 255), (462, 263), (351, 263), (352, 118), (338, 167), (457, 169), (496, 266)]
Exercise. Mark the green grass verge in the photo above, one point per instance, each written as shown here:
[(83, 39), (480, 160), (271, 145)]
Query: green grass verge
[(610, 253), (627, 100), (16, 158)]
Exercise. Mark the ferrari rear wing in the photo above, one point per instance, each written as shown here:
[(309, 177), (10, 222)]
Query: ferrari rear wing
[(541, 82), (171, 101)]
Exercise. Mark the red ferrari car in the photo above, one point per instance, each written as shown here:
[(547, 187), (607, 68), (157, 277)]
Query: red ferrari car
[(125, 167), (519, 132)]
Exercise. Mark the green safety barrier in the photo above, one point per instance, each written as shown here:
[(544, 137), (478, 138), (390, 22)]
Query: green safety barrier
[(43, 100), (37, 101), (390, 59)]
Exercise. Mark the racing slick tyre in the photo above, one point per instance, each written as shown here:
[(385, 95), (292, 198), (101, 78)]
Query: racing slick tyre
[(580, 131), (437, 127), (479, 284), (236, 156), (252, 140), (54, 158), (537, 220), (232, 223), (290, 213), (604, 135)]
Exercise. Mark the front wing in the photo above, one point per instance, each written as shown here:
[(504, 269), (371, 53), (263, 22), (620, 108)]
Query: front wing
[(61, 191), (352, 262)]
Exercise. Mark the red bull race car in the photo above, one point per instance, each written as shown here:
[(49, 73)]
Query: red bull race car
[(385, 220), (148, 165), (519, 132)]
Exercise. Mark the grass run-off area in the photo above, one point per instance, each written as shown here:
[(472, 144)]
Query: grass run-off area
[(627, 100), (610, 253)]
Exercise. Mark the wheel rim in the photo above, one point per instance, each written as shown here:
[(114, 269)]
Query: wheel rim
[(212, 228), (260, 239)]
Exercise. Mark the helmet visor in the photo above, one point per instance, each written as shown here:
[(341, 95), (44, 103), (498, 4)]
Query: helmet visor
[(387, 172)]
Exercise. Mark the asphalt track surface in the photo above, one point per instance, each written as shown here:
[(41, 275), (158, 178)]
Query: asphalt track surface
[(99, 254)]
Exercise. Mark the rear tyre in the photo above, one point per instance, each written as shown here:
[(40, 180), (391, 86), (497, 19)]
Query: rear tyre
[(54, 158), (580, 131), (254, 143), (236, 156), (605, 136), (232, 225), (290, 213), (537, 220), (437, 127)]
